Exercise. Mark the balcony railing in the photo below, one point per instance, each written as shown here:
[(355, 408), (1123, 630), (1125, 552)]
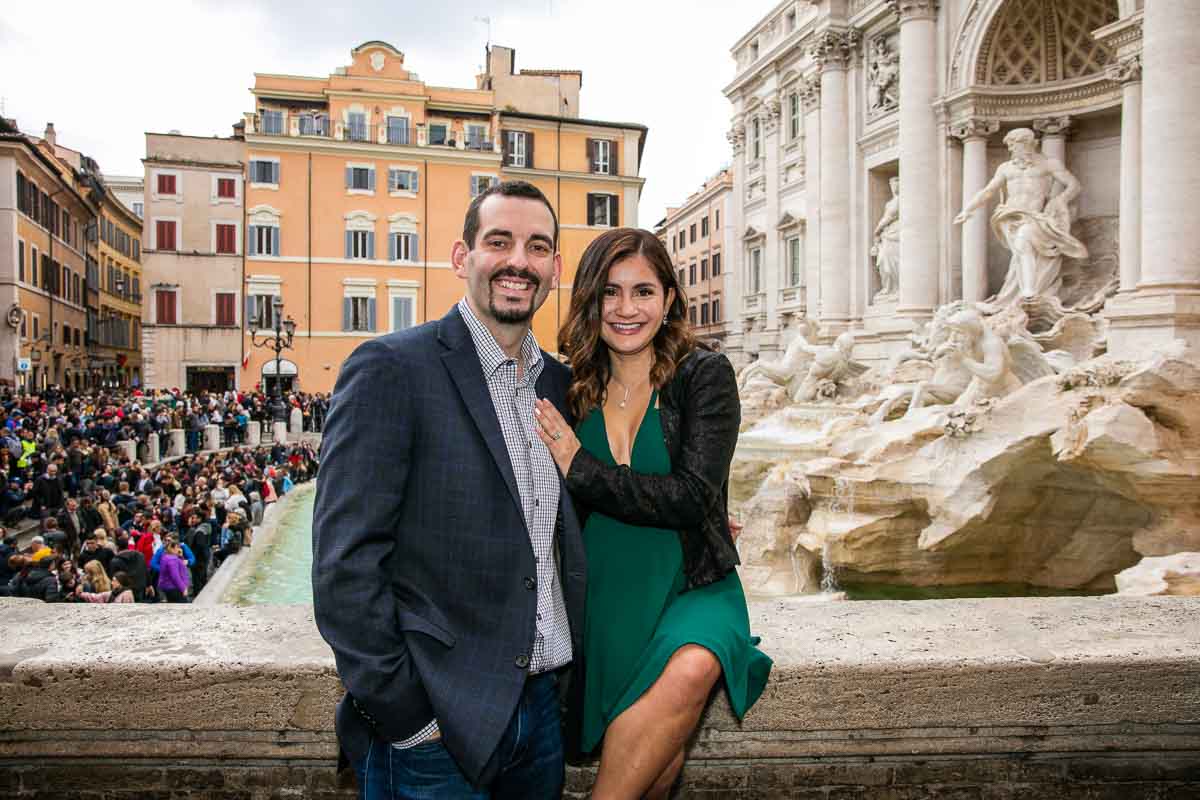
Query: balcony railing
[(378, 133)]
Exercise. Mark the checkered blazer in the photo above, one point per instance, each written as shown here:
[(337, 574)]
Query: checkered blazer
[(420, 551)]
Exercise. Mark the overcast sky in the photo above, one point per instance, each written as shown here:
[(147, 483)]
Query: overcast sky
[(105, 73)]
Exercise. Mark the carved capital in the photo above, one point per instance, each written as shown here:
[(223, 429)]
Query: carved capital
[(833, 49), (810, 93), (1052, 126), (736, 136), (914, 9), (1126, 70), (771, 118), (974, 128)]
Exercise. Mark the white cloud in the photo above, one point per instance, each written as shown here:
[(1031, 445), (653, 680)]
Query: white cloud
[(109, 73)]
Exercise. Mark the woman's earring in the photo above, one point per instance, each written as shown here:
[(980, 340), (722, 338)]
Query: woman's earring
[(665, 318)]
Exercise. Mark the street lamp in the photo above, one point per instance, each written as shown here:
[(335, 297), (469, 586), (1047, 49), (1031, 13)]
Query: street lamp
[(285, 329)]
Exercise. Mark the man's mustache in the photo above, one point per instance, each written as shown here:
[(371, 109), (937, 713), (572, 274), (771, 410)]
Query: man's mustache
[(522, 274)]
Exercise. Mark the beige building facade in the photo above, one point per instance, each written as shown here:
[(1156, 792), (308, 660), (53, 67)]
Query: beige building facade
[(696, 234), (193, 244), (834, 99)]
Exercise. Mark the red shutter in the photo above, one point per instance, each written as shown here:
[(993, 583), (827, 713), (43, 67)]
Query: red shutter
[(226, 239), (165, 307), (612, 158), (166, 184), (165, 234), (225, 187), (225, 309), (591, 154)]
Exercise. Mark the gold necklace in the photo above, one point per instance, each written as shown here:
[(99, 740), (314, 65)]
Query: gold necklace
[(625, 399)]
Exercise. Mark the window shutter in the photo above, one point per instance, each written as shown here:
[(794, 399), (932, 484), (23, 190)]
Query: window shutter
[(371, 245), (349, 244), (371, 179), (591, 209), (612, 158), (392, 246), (416, 181), (349, 177), (504, 147), (591, 154), (414, 252), (371, 314), (274, 171), (275, 241), (528, 150), (249, 312), (614, 216), (251, 241), (346, 313)]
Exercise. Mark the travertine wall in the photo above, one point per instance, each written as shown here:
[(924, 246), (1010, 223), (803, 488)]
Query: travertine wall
[(1012, 698)]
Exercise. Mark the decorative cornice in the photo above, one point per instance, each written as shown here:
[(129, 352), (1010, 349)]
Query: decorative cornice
[(908, 10), (833, 49), (1126, 70), (1052, 126), (974, 128)]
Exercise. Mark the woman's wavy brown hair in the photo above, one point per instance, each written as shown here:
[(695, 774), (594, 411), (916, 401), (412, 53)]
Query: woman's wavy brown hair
[(579, 340)]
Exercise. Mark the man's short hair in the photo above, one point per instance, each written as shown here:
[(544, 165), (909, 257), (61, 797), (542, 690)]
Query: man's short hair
[(505, 189)]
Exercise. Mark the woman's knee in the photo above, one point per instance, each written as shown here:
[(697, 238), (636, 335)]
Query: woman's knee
[(694, 669)]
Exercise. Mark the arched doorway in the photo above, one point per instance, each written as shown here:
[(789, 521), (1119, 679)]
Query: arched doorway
[(285, 381)]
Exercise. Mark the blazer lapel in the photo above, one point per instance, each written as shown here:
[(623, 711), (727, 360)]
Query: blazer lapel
[(462, 362)]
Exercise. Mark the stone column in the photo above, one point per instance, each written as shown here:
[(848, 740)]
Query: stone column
[(1128, 72), (178, 445), (974, 134), (773, 259), (831, 52), (733, 251), (279, 432), (812, 196), (152, 456), (212, 437), (1054, 136), (253, 432), (920, 212), (296, 422), (128, 449)]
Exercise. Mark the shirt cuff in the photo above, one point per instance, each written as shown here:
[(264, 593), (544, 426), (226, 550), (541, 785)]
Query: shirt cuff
[(420, 737)]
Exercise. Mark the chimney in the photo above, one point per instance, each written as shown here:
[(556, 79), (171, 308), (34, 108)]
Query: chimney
[(49, 135)]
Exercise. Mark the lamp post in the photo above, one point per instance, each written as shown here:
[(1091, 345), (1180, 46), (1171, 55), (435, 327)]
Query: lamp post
[(285, 329)]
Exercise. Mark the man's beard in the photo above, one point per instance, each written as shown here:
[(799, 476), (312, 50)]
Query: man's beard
[(512, 316)]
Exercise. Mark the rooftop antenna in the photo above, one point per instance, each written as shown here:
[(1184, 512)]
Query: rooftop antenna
[(487, 21)]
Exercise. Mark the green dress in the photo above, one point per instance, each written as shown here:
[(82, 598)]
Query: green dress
[(637, 612)]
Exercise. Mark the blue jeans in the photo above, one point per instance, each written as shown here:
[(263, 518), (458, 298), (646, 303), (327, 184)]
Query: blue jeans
[(530, 753)]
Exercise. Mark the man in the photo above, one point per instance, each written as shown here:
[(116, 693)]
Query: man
[(133, 563), (70, 521), (447, 555), (198, 537), (48, 492)]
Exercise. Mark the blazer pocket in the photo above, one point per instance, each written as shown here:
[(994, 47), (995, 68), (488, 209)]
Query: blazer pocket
[(411, 622)]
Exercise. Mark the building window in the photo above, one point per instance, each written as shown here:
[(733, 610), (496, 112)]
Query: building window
[(692, 274), (20, 260), (264, 172), (437, 133), (717, 219), (716, 309), (226, 315), (164, 306), (791, 21), (36, 332), (692, 315), (518, 149), (683, 238), (602, 156), (314, 125), (704, 226), (64, 290), (356, 130), (360, 244), (139, 209), (397, 130), (360, 179), (793, 256), (682, 277), (403, 311), (755, 138), (477, 137), (692, 233), (226, 188), (33, 265), (166, 184), (704, 269), (164, 234), (755, 281), (716, 264), (260, 311), (272, 122), (358, 314), (226, 239), (704, 313), (402, 180), (481, 183), (602, 210), (263, 240), (793, 116), (402, 247)]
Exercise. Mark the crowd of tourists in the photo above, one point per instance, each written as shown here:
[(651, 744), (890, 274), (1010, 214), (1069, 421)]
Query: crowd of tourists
[(110, 529)]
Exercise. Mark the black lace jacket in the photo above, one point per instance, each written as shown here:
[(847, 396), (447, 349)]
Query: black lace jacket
[(700, 415)]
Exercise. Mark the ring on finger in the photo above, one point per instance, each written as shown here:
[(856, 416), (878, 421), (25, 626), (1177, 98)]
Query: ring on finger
[(556, 435)]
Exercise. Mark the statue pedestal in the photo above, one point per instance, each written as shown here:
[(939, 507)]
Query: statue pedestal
[(128, 449), (177, 447), (279, 432), (151, 449), (253, 433), (212, 437)]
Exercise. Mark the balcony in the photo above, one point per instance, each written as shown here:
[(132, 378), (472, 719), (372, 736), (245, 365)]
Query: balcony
[(753, 302), (320, 127)]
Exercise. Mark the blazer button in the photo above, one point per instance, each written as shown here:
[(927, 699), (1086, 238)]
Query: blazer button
[(522, 661), (531, 583)]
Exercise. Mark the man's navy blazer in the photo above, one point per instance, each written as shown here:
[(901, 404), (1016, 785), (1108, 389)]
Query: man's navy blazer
[(421, 556)]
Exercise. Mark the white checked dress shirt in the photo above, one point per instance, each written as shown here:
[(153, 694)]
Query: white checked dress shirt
[(537, 483)]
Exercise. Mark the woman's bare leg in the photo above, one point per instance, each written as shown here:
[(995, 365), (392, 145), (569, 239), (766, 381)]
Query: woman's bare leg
[(644, 740), (663, 783)]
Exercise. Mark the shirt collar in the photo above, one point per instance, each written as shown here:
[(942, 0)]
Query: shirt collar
[(491, 355)]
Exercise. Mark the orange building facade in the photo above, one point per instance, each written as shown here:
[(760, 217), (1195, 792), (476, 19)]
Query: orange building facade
[(357, 185)]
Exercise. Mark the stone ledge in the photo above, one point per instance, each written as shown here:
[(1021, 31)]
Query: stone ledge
[(920, 689)]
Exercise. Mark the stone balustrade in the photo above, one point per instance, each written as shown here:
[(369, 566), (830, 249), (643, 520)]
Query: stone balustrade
[(1003, 698)]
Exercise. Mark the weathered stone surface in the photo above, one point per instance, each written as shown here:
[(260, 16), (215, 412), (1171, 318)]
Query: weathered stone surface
[(1178, 575)]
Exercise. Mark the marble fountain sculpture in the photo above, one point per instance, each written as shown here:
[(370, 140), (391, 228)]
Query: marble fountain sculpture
[(1003, 446)]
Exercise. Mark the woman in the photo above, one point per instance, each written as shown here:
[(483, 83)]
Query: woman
[(95, 579), (121, 592), (108, 512), (173, 575), (666, 616)]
